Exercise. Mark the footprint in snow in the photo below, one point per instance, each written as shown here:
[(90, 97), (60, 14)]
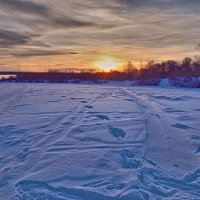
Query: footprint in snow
[(83, 101), (116, 132), (88, 106), (131, 100), (102, 117), (198, 109), (129, 161), (198, 150), (181, 126), (176, 165)]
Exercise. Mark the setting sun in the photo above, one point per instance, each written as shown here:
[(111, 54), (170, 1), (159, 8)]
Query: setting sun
[(107, 64)]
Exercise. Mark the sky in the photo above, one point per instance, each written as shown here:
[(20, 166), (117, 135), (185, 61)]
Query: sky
[(37, 35)]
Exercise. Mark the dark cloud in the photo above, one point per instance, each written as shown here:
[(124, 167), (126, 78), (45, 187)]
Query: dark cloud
[(72, 53), (26, 7), (10, 38), (68, 22), (41, 53), (48, 17), (158, 3), (136, 3)]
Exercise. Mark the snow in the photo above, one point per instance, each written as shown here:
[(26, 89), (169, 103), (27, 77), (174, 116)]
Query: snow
[(193, 82), (98, 142), (166, 82)]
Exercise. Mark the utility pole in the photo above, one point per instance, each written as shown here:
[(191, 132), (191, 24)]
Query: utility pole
[(17, 68)]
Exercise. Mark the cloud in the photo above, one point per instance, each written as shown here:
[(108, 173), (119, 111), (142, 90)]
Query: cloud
[(66, 22), (170, 4), (45, 16), (42, 53), (10, 38), (26, 7)]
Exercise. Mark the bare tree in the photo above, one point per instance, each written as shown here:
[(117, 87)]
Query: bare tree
[(129, 67)]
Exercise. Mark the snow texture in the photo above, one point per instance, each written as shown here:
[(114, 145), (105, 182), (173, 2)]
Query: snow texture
[(98, 142)]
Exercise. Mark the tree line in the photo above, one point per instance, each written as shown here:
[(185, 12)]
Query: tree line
[(187, 68)]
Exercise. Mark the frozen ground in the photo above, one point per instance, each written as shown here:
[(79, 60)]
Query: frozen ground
[(85, 142)]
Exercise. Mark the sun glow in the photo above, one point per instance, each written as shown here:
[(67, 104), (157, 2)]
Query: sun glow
[(107, 64)]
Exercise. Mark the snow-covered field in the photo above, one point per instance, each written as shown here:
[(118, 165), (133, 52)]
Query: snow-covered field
[(89, 142)]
